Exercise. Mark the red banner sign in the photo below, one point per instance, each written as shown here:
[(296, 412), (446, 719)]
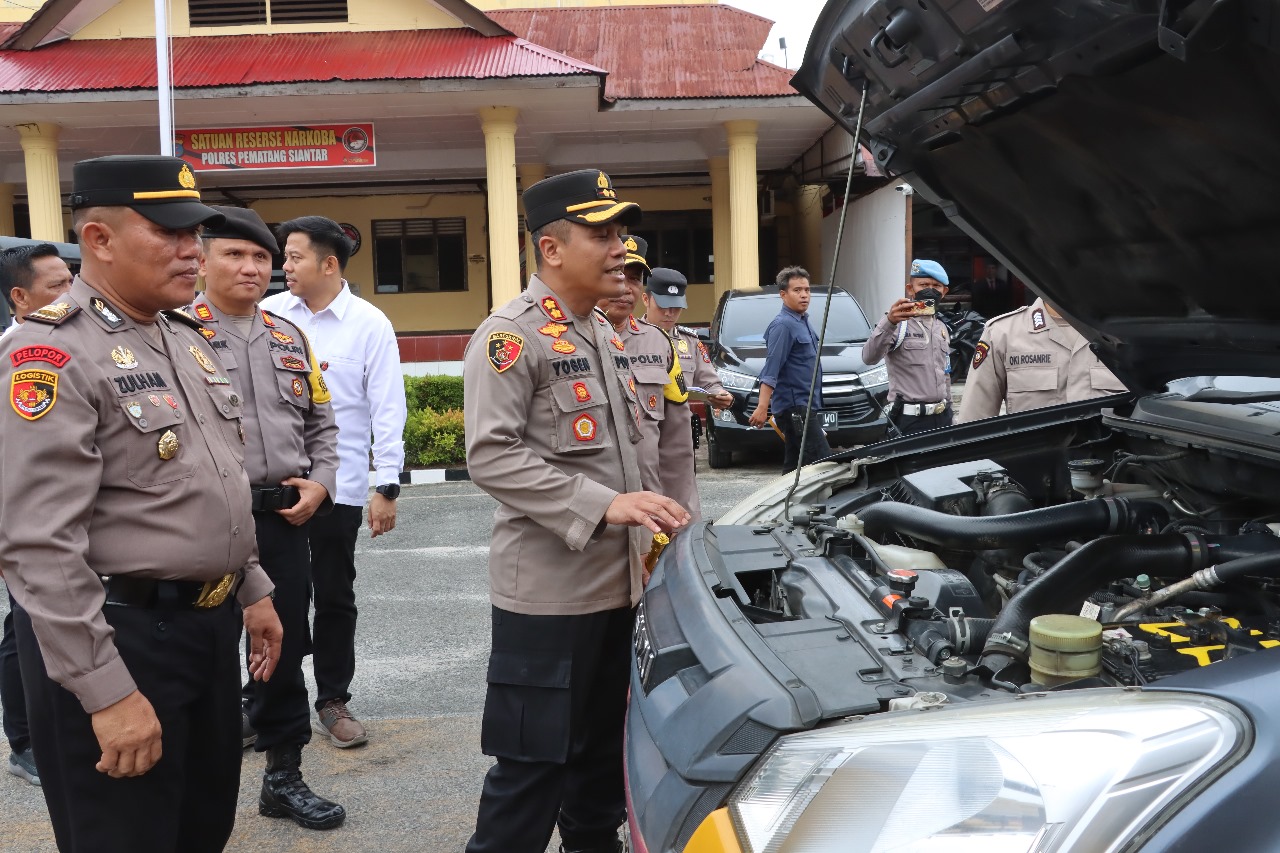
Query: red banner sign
[(316, 146)]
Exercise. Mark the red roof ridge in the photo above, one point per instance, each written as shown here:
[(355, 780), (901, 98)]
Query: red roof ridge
[(630, 7)]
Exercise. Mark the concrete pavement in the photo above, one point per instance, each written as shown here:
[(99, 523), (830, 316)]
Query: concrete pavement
[(422, 647)]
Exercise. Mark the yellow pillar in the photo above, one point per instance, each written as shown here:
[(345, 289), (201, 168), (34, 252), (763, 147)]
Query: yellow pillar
[(499, 126), (809, 229), (44, 193), (743, 215), (530, 174), (721, 225), (6, 210)]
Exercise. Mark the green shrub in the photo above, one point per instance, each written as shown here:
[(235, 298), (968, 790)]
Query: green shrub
[(440, 393), (434, 438)]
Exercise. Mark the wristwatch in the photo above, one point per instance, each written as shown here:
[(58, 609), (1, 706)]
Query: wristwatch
[(390, 491)]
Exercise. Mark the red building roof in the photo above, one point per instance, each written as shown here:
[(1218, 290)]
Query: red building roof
[(705, 51), (205, 61)]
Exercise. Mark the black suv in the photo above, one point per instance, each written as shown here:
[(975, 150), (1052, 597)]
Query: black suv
[(1056, 630), (736, 342)]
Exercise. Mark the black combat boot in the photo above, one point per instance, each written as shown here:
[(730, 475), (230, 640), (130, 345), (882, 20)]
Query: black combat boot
[(284, 794)]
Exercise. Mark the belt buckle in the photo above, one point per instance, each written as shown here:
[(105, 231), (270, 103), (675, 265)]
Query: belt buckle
[(215, 592)]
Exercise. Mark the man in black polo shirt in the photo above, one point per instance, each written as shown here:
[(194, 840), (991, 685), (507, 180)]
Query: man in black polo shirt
[(792, 346)]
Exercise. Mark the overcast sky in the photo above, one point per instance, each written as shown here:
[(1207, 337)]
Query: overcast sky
[(794, 21)]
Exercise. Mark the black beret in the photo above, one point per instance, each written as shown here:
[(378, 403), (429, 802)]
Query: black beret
[(637, 249), (667, 287), (244, 224), (586, 197), (163, 189)]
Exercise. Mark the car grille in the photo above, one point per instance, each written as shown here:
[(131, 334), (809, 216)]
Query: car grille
[(842, 394)]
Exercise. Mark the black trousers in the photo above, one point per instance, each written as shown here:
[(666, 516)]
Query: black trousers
[(553, 718), (791, 422), (12, 696), (186, 664), (333, 586), (907, 424), (278, 709)]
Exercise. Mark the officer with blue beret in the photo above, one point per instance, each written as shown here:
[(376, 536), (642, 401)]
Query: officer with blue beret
[(916, 348)]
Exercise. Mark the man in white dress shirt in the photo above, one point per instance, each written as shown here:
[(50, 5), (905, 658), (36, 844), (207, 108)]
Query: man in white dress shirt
[(356, 346)]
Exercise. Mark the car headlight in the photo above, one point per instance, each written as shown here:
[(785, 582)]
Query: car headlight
[(736, 381), (875, 376), (1047, 773)]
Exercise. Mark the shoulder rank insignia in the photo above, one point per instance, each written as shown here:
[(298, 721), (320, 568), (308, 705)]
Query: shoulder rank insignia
[(1037, 320), (552, 308), (564, 347), (33, 393), (980, 353), (39, 352), (631, 321), (504, 348), (292, 362), (618, 344), (266, 318), (54, 314), (182, 317), (553, 330), (206, 364), (124, 358), (282, 337), (203, 313), (106, 312)]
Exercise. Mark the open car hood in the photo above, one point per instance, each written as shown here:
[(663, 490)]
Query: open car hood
[(1120, 157)]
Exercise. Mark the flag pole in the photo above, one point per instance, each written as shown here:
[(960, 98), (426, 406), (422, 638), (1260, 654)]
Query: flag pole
[(164, 83)]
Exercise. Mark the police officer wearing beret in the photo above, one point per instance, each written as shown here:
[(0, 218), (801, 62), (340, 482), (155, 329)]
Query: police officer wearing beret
[(1031, 358), (654, 365), (291, 457), (665, 301), (128, 534), (916, 348), (551, 432)]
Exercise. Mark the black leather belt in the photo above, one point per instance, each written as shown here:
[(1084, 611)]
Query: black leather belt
[(269, 498), (126, 591)]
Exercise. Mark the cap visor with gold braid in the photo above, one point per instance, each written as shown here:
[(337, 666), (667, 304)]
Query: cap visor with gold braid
[(585, 196), (163, 189)]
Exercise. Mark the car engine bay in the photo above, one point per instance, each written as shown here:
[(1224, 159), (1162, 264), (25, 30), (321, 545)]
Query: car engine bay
[(1113, 556)]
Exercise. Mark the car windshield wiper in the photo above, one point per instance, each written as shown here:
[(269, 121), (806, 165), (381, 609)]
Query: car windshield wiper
[(1219, 395)]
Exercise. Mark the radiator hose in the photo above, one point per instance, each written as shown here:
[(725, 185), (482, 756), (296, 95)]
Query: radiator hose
[(1080, 519)]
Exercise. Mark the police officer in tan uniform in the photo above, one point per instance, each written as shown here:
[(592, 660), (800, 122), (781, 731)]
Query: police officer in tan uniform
[(551, 434), (128, 534), (664, 300), (1031, 358), (653, 363), (916, 348), (291, 457)]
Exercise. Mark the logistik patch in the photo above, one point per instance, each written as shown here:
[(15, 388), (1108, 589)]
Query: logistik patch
[(33, 393)]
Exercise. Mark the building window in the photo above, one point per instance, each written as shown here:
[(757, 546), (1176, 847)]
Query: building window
[(681, 240), (239, 13), (420, 255)]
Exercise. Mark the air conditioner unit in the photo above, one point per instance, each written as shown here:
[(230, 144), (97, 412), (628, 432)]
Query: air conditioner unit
[(768, 205)]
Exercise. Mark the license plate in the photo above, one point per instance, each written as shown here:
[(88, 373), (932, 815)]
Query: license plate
[(830, 420)]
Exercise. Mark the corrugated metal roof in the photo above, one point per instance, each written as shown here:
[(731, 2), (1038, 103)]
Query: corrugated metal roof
[(100, 64), (704, 51)]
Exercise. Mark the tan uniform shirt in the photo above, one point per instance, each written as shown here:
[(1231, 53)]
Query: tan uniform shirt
[(650, 352), (288, 422), (1027, 360), (917, 353), (551, 427), (679, 465), (95, 405)]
